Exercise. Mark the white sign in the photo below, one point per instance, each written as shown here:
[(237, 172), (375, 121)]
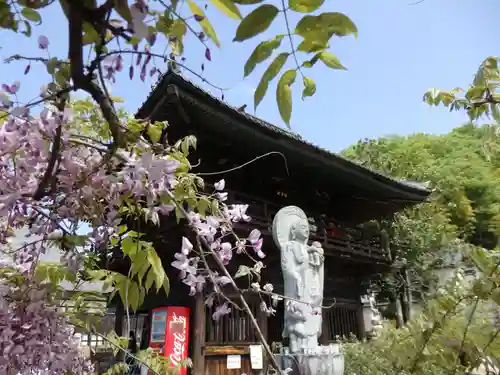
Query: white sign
[(256, 357), (233, 361)]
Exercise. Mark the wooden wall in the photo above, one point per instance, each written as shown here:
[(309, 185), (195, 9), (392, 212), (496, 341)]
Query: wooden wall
[(233, 333)]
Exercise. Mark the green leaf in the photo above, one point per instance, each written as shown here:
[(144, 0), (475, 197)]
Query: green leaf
[(330, 60), (271, 72), (166, 285), (262, 52), (150, 279), (205, 24), (247, 2), (256, 22), (242, 271), (228, 8), (475, 92), (310, 63), (142, 267), (284, 95), (214, 207), (481, 260), (90, 35), (154, 132), (129, 246), (117, 99), (305, 6), (495, 112), (133, 295), (495, 296), (52, 65), (178, 29), (156, 267), (164, 24), (313, 45), (203, 206), (28, 29), (331, 22), (121, 7), (309, 87), (31, 15)]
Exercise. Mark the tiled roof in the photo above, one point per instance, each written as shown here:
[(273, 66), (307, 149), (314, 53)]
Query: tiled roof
[(174, 78)]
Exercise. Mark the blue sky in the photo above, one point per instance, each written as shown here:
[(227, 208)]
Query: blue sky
[(402, 50)]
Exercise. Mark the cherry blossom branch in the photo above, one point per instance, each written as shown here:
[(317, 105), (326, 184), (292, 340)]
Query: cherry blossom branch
[(19, 57), (34, 103), (190, 28), (87, 144), (226, 273), (273, 294), (133, 52), (40, 191), (86, 82), (245, 164), (93, 331)]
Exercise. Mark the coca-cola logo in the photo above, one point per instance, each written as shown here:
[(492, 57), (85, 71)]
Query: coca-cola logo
[(179, 347), (179, 337)]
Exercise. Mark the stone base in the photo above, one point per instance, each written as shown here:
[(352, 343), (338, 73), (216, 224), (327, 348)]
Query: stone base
[(323, 360)]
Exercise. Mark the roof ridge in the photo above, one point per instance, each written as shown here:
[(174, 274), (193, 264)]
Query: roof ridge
[(171, 76)]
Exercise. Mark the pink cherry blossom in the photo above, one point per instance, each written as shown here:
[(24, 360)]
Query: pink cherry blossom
[(221, 310), (43, 42), (220, 185), (187, 246)]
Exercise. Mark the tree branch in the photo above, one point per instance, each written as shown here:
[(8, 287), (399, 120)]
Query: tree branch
[(40, 191), (226, 273), (86, 83)]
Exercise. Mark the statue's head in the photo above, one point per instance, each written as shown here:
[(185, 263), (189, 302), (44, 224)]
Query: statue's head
[(299, 230)]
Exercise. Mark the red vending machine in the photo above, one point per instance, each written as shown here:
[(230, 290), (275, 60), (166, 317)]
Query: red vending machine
[(170, 333)]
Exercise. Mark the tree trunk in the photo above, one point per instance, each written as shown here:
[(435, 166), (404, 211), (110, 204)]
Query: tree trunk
[(408, 296), (404, 305), (399, 314), (398, 311)]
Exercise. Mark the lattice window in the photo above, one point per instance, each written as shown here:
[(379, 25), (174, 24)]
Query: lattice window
[(341, 321), (232, 328)]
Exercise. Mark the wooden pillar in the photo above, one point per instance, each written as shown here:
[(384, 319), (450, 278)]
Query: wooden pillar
[(323, 338), (360, 319), (198, 356), (119, 314), (263, 322)]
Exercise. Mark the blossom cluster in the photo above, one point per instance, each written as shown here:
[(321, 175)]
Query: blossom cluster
[(34, 335), (217, 236), (82, 186)]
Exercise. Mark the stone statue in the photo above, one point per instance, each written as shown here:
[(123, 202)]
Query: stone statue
[(376, 318), (303, 273)]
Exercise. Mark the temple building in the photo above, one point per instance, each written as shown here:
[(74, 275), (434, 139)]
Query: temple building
[(339, 197)]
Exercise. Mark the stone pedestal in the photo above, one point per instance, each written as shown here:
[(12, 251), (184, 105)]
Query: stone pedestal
[(323, 360)]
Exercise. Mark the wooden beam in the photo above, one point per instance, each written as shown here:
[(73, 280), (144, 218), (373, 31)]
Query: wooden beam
[(198, 335), (239, 349)]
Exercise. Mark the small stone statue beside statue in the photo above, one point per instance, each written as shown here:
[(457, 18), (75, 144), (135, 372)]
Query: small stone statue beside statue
[(303, 275), (376, 317)]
